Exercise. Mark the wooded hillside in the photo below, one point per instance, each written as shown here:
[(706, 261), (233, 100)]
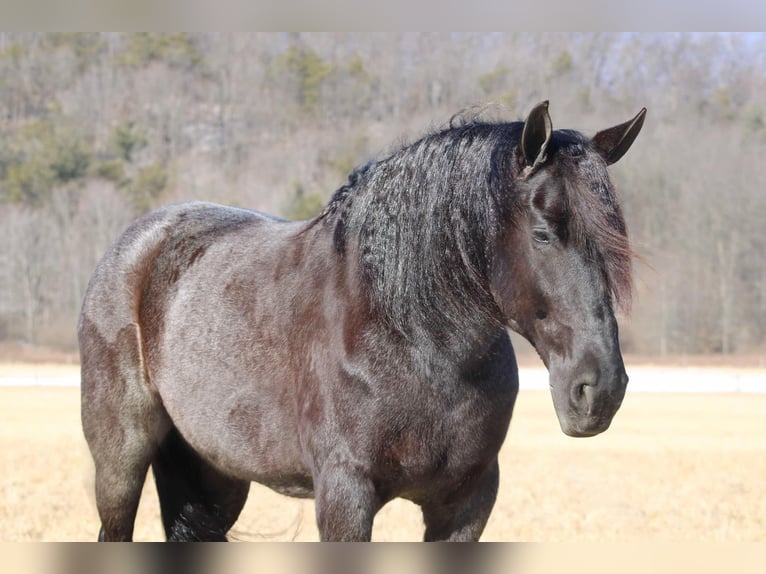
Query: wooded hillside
[(96, 129)]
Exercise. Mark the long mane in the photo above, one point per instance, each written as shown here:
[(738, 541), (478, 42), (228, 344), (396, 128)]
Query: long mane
[(425, 220)]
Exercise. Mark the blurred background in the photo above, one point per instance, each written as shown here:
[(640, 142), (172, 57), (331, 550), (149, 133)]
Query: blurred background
[(98, 128)]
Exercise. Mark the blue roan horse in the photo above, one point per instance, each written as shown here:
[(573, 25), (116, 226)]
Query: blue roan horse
[(363, 355)]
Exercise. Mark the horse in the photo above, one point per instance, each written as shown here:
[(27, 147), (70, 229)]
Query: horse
[(362, 355)]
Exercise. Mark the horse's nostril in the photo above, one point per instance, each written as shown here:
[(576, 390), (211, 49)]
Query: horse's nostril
[(588, 379), (583, 390), (578, 395)]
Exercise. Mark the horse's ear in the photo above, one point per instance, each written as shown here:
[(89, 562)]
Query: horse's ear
[(612, 143), (536, 134)]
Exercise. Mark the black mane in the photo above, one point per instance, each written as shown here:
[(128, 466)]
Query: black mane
[(426, 217)]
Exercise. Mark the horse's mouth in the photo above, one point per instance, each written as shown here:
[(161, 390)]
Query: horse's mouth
[(584, 413), (588, 427)]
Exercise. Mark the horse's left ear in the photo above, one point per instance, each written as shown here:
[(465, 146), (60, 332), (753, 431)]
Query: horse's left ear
[(612, 143)]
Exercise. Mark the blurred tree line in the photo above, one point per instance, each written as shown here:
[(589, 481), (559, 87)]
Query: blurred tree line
[(98, 128)]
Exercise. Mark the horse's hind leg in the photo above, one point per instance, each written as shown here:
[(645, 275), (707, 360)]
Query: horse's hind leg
[(198, 503), (118, 489), (123, 421)]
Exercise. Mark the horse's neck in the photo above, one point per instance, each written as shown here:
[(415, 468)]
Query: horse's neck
[(462, 347), (473, 342)]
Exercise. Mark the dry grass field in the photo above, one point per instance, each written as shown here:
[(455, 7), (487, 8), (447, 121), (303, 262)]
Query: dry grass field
[(671, 468)]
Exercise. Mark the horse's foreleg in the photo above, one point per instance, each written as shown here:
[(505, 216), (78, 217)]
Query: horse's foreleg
[(464, 515), (346, 504)]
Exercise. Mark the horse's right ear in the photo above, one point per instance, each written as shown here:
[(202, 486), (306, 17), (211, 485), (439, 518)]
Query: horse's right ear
[(536, 135)]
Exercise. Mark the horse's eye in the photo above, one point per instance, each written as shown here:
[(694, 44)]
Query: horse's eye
[(541, 236)]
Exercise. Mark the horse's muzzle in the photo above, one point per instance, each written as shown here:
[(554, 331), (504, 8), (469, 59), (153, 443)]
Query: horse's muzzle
[(586, 406)]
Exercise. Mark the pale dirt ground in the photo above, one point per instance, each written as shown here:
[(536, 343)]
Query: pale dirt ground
[(671, 468)]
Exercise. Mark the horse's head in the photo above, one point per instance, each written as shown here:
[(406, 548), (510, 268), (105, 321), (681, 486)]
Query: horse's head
[(565, 263)]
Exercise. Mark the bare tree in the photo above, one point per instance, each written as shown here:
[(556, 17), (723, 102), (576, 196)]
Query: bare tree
[(256, 119)]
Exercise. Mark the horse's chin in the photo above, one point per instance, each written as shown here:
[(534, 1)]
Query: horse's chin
[(583, 428)]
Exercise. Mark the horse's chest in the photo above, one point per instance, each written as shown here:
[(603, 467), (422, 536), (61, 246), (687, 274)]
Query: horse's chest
[(439, 444)]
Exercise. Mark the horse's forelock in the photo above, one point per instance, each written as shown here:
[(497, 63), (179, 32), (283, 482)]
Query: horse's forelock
[(598, 226)]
